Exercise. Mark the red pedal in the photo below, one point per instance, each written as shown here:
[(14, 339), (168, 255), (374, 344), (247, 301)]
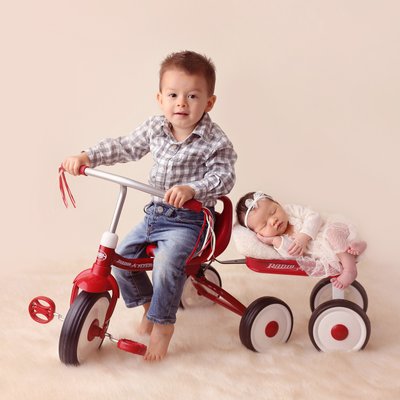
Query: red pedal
[(132, 346), (42, 309)]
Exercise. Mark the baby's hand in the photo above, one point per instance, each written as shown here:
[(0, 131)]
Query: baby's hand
[(178, 195), (270, 240), (73, 163), (299, 245)]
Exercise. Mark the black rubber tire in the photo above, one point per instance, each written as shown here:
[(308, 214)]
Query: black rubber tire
[(249, 317), (74, 322), (203, 301), (355, 286), (337, 305)]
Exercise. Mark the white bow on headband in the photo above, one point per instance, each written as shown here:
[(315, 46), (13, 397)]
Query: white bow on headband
[(252, 203)]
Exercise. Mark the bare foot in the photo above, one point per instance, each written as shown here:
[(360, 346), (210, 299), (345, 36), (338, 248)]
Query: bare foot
[(349, 272), (344, 279), (357, 247), (159, 342), (146, 326)]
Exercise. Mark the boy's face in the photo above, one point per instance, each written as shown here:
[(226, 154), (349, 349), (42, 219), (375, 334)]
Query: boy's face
[(184, 99), (268, 219)]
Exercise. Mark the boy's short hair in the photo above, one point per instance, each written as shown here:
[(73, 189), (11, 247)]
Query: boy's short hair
[(193, 64)]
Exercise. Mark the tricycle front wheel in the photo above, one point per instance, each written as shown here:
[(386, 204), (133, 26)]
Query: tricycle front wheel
[(80, 332)]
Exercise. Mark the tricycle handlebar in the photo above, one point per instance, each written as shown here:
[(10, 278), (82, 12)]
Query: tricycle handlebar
[(192, 204)]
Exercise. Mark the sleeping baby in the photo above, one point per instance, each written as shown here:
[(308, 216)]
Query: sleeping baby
[(328, 244)]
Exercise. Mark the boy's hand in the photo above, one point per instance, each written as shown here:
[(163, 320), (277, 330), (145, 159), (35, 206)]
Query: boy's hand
[(299, 245), (178, 195), (73, 163)]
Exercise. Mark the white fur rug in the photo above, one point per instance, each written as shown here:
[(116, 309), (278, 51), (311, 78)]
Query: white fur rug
[(206, 358)]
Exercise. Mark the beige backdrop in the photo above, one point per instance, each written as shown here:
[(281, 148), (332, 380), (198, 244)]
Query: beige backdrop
[(307, 91)]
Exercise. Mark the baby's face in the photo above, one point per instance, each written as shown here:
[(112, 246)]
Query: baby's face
[(268, 219)]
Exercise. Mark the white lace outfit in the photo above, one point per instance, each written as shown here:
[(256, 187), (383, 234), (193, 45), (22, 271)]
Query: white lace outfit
[(330, 235)]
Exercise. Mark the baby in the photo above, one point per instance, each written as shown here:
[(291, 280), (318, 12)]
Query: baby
[(297, 232)]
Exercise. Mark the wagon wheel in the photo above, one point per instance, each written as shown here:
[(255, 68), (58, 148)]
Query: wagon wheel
[(322, 292), (339, 325)]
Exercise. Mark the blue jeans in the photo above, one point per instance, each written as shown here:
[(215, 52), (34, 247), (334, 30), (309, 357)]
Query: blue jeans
[(175, 231)]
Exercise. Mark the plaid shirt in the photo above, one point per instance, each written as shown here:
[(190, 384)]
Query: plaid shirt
[(204, 160)]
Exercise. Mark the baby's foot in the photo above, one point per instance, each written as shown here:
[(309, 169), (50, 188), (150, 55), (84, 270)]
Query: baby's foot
[(159, 342), (357, 247), (344, 279)]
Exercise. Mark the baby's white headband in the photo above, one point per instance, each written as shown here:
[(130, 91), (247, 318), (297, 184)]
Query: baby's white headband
[(252, 203)]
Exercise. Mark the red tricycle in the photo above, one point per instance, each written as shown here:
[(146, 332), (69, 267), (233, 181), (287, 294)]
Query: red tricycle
[(338, 321)]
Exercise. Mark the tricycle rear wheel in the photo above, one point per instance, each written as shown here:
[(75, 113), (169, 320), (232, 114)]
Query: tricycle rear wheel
[(190, 298), (266, 322)]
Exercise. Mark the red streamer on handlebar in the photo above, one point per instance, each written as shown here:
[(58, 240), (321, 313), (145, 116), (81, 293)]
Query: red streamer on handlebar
[(64, 187)]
